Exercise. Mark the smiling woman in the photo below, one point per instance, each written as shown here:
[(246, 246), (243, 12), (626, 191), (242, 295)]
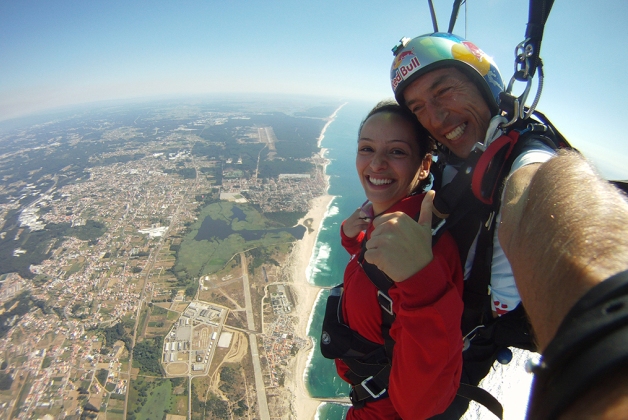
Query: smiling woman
[(392, 157), (414, 309)]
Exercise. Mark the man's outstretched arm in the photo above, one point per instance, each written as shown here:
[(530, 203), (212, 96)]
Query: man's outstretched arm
[(563, 234), (564, 230)]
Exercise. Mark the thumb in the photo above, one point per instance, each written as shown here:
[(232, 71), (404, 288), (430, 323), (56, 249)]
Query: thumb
[(425, 217)]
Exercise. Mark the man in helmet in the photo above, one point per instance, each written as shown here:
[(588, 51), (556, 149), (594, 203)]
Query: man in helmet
[(453, 89)]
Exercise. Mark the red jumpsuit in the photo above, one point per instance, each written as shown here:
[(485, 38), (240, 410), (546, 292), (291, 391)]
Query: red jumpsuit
[(427, 358)]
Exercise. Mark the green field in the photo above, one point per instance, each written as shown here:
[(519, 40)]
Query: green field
[(151, 399), (199, 258)]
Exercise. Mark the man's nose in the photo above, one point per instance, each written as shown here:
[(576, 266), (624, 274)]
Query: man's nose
[(435, 115)]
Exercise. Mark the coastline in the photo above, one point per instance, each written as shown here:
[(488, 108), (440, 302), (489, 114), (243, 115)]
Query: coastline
[(305, 406), (306, 294), (330, 120)]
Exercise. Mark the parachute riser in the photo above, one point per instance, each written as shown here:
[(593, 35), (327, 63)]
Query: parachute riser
[(515, 107)]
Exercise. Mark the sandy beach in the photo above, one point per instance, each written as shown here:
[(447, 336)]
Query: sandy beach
[(306, 297), (306, 294), (330, 120)]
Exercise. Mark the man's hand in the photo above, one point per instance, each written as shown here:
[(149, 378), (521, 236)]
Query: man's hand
[(399, 246), (355, 224)]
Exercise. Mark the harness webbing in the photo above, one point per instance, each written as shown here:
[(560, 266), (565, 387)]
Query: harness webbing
[(366, 384), (591, 342), (476, 293), (483, 397), (374, 386), (383, 284), (469, 218)]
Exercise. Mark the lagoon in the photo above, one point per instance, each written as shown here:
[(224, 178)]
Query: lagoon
[(212, 229)]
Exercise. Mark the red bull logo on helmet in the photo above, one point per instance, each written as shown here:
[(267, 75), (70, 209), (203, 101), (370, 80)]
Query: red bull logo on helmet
[(399, 58), (405, 64), (474, 49)]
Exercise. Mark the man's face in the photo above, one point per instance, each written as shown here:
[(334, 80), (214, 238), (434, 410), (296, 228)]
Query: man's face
[(450, 107)]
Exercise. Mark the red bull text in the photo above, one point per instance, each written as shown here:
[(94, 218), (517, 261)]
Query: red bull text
[(404, 71)]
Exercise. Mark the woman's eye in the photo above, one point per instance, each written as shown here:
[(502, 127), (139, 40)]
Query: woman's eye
[(398, 152), (365, 149)]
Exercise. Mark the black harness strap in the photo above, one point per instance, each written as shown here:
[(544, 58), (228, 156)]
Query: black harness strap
[(372, 388), (369, 363), (476, 290), (470, 218), (375, 387), (449, 197), (366, 385), (483, 397), (591, 342), (476, 294), (383, 284)]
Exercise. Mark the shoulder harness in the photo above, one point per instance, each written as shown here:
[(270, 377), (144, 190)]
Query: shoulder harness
[(470, 202)]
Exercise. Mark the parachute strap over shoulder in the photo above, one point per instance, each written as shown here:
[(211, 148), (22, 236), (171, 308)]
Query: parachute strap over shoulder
[(591, 342), (495, 162), (497, 159), (383, 284), (490, 166), (487, 165), (448, 197)]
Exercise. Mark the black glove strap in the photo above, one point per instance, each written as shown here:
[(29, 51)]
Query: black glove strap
[(591, 342)]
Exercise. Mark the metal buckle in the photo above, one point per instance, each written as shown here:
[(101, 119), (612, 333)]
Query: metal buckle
[(387, 300), (523, 73), (336, 291), (466, 340), (471, 335), (493, 132), (374, 395)]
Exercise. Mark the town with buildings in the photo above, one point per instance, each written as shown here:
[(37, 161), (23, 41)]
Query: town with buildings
[(99, 312)]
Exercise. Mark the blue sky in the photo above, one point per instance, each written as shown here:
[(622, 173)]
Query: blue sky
[(55, 53)]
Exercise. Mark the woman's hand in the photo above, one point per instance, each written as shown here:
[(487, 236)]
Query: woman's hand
[(355, 224), (398, 245)]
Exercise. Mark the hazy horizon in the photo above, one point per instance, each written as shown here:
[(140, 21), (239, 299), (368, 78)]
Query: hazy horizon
[(67, 53)]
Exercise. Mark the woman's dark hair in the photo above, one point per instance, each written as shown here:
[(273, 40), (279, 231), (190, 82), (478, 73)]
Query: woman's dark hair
[(426, 142)]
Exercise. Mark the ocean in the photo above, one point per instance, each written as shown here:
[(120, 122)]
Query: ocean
[(329, 258), (509, 383)]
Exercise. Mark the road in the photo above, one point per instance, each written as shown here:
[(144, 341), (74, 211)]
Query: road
[(262, 402)]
